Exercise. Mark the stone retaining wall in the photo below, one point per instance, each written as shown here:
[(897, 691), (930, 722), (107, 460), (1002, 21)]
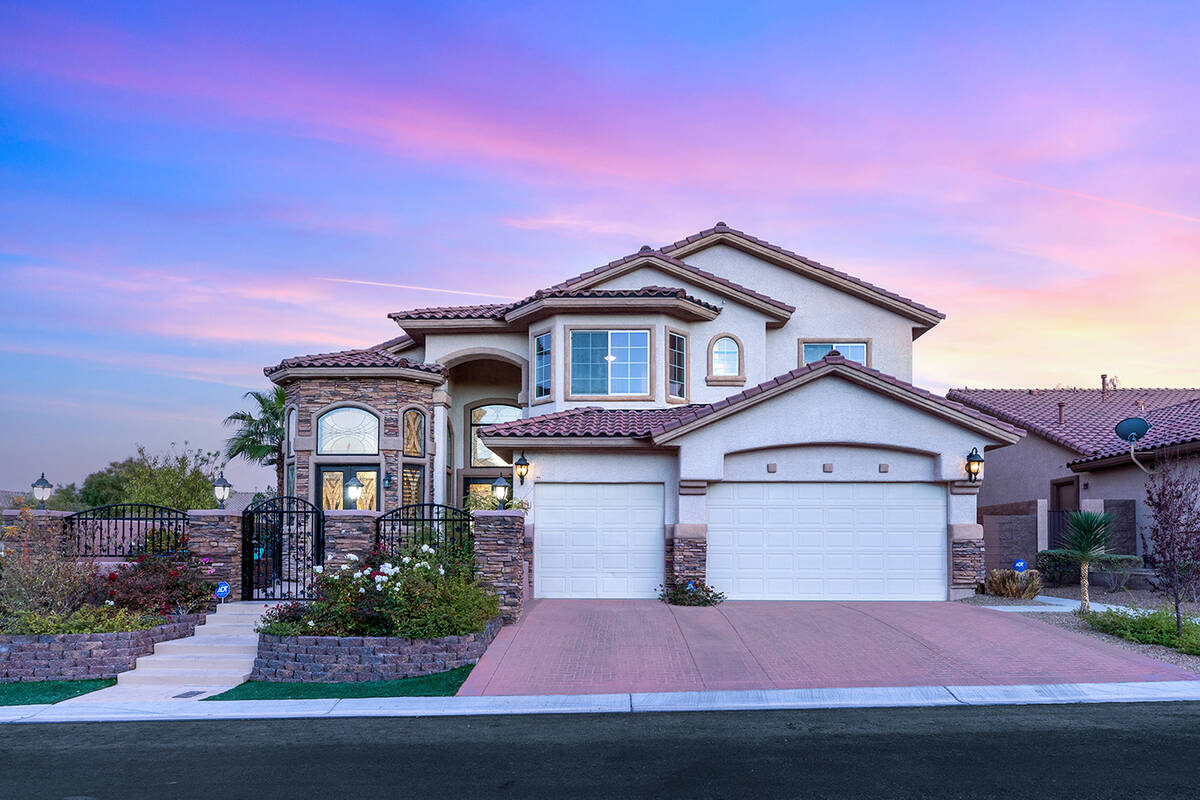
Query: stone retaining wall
[(336, 659), (81, 656)]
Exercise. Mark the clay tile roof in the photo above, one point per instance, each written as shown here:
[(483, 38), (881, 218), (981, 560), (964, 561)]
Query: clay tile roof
[(1089, 415), (486, 311), (644, 423), (721, 227), (497, 311), (659, 254), (375, 356)]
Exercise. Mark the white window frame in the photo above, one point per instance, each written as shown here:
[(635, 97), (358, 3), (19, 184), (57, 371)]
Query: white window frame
[(610, 395)]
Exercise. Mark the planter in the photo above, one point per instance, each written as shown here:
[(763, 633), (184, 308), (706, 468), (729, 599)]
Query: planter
[(82, 656), (354, 659)]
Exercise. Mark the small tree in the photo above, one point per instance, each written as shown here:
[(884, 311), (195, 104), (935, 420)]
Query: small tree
[(176, 479), (259, 439), (107, 486), (1086, 540), (1173, 500)]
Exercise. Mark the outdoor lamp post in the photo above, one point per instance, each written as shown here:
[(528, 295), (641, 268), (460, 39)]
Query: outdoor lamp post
[(221, 490), (521, 467), (974, 465), (500, 488), (354, 489), (41, 491)]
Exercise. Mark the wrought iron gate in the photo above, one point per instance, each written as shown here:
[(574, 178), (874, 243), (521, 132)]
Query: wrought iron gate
[(127, 530), (283, 539), (443, 528)]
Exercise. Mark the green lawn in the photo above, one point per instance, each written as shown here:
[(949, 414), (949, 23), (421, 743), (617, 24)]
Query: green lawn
[(443, 684), (22, 694)]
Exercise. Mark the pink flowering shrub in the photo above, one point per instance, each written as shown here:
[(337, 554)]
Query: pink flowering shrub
[(416, 593)]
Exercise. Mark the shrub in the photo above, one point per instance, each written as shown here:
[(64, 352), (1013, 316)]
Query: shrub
[(415, 593), (37, 573), (1010, 583), (168, 584), (1146, 627), (692, 593), (1057, 568), (88, 619)]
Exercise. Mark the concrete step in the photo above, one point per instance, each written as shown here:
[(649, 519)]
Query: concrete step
[(227, 625), (179, 677), (241, 609), (196, 661), (231, 645)]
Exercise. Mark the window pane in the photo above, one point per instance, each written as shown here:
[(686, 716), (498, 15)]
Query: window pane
[(726, 358), (414, 434), (291, 431), (815, 352), (290, 490), (589, 370), (412, 484), (367, 499), (676, 365), (348, 430), (481, 417), (630, 367), (331, 490), (855, 351), (541, 366)]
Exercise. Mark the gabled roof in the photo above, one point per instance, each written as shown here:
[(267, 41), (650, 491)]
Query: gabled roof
[(663, 424), (723, 234), (1089, 415), (378, 356)]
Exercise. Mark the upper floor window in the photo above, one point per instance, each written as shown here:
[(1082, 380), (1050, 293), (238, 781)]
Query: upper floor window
[(676, 365), (414, 433), (726, 361), (853, 351), (541, 366), (481, 417), (348, 430), (291, 431), (610, 363)]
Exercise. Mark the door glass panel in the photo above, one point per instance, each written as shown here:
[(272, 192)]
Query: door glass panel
[(412, 484), (366, 500), (331, 490)]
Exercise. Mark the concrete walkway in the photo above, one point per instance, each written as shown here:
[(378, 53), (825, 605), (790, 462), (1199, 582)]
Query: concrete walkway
[(218, 657), (644, 646)]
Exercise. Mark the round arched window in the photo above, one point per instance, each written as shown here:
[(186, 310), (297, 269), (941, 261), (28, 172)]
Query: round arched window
[(348, 430), (726, 357)]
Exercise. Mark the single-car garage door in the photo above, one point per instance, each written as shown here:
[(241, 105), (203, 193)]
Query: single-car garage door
[(597, 539), (828, 541)]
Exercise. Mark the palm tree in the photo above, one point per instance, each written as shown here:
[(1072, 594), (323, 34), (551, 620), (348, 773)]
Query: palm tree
[(259, 439), (1086, 540)]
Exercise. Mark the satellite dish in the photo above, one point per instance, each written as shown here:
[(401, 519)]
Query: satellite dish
[(1132, 429)]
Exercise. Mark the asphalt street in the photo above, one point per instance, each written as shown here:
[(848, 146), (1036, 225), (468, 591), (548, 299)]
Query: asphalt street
[(1078, 751)]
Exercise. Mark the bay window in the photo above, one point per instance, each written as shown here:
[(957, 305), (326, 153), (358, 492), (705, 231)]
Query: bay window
[(610, 363)]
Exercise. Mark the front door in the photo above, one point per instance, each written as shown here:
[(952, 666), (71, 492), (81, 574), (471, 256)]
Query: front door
[(335, 496), (1064, 495)]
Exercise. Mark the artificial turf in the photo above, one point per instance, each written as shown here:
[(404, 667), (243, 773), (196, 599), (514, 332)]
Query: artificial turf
[(37, 692), (441, 684)]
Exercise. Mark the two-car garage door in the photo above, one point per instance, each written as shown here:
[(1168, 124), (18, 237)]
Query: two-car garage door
[(828, 541)]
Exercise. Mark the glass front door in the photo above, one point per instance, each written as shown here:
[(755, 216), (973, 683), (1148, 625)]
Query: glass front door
[(334, 497)]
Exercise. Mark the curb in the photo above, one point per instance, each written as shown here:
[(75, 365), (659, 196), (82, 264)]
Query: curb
[(752, 700)]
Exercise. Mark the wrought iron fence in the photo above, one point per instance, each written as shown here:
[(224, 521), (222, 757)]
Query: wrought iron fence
[(127, 530), (444, 528), (283, 539), (1056, 527)]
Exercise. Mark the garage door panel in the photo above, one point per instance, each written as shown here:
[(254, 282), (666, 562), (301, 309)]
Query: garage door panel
[(598, 540), (827, 540)]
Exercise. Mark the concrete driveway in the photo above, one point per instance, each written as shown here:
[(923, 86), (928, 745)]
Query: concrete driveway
[(598, 646)]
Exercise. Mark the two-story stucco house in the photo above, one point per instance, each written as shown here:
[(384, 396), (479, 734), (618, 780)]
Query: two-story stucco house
[(719, 408)]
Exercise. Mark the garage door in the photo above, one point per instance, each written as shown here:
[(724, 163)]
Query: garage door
[(597, 539), (828, 541)]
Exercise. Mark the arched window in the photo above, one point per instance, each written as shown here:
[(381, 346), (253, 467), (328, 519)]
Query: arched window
[(481, 417), (725, 358), (291, 431), (347, 431), (414, 434)]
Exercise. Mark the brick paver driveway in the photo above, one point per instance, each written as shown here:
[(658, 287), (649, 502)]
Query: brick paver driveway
[(596, 646)]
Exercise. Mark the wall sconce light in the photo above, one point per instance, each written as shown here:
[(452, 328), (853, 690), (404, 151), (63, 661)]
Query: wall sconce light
[(974, 465), (387, 480), (521, 467), (41, 491), (500, 488), (221, 490), (354, 489)]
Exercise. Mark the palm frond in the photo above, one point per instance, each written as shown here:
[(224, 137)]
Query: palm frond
[(1087, 535)]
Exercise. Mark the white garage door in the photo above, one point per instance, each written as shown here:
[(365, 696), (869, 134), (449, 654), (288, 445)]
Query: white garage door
[(597, 539), (828, 541)]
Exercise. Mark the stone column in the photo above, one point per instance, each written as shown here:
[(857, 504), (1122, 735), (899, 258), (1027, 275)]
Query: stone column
[(966, 539), (348, 532), (500, 558), (687, 550), (440, 450), (216, 534), (47, 526)]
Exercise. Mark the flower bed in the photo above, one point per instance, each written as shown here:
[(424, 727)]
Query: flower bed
[(79, 656), (354, 659)]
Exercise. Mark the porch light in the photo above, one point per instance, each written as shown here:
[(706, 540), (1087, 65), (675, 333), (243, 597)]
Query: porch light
[(222, 489), (387, 480), (521, 467), (500, 488), (41, 491), (974, 465), (354, 489)]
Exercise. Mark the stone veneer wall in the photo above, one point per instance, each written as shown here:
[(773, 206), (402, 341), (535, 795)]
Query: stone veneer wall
[(80, 656), (336, 659), (688, 560), (500, 558), (216, 534), (967, 562), (348, 532), (388, 396)]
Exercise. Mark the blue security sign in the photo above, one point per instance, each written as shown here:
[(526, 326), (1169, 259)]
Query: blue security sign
[(1019, 565), (222, 590)]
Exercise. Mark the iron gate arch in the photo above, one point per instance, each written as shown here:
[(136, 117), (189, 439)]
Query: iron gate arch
[(283, 539), (125, 530), (441, 527)]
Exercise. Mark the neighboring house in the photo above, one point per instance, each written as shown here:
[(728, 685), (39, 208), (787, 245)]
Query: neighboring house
[(719, 408), (10, 497), (1071, 459)]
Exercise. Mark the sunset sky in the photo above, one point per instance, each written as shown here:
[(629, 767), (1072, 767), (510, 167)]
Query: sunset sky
[(184, 187)]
